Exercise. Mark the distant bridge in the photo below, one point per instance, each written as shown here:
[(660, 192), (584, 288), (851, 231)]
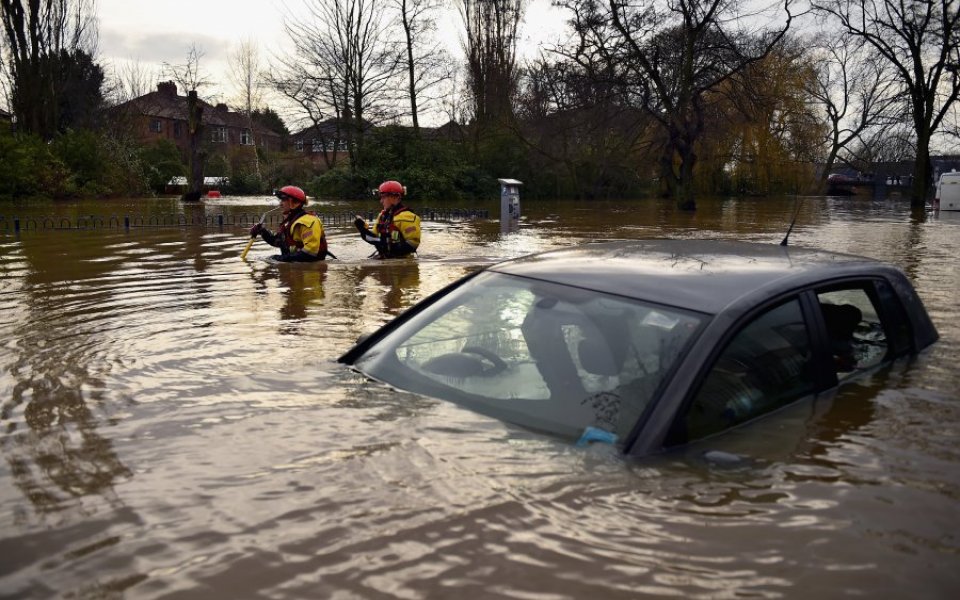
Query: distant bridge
[(867, 187)]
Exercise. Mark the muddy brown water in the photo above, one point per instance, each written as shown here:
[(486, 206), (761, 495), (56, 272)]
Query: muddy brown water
[(174, 425)]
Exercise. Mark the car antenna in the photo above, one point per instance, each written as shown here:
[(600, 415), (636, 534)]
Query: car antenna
[(796, 214)]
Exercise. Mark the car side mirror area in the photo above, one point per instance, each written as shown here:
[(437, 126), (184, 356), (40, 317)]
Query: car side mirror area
[(357, 350)]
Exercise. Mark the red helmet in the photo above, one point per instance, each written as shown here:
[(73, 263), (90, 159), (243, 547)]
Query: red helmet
[(292, 192), (391, 187)]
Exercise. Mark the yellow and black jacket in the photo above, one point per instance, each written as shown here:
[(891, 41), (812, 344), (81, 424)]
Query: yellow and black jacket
[(396, 232), (300, 238)]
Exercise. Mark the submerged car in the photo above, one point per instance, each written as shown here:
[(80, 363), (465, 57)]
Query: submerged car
[(649, 344)]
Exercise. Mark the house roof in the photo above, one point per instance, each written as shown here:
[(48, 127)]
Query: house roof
[(451, 130), (165, 103), (326, 129)]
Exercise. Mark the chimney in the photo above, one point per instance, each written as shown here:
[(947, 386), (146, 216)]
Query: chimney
[(222, 107), (167, 88)]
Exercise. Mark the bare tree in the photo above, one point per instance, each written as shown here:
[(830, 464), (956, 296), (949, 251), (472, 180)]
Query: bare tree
[(454, 104), (673, 54), (887, 143), (6, 76), (188, 75), (426, 64), (921, 41), (855, 89), (128, 80), (45, 40), (572, 116), (491, 49), (131, 79), (246, 78), (317, 102), (342, 68)]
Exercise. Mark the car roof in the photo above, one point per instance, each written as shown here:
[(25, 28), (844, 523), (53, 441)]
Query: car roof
[(700, 275)]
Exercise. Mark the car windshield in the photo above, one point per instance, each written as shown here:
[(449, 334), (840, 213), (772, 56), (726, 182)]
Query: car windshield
[(550, 357)]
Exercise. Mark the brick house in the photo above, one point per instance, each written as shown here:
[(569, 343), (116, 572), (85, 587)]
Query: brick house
[(324, 144), (451, 131), (163, 115)]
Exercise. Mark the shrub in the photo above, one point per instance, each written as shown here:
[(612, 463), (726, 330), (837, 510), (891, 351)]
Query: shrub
[(243, 183), (86, 159), (29, 169), (161, 162)]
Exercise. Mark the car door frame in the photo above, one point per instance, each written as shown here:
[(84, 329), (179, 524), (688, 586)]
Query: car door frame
[(653, 431)]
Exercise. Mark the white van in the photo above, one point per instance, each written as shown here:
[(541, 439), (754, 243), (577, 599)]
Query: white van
[(948, 191)]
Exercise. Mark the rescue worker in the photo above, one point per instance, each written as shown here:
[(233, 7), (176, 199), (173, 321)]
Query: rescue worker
[(397, 230), (301, 237)]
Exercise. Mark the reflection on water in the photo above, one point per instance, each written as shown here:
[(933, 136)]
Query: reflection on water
[(301, 285), (172, 423), (395, 282)]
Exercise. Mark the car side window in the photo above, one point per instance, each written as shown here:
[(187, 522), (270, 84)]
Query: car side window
[(857, 339), (768, 364), (896, 322)]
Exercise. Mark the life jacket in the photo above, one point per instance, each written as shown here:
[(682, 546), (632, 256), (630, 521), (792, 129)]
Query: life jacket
[(309, 236), (398, 224)]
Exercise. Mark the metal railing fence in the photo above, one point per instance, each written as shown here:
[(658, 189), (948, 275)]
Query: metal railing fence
[(17, 224)]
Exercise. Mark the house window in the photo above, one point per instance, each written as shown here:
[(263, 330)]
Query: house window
[(218, 134), (156, 126), (245, 138), (298, 145), (328, 145), (177, 129)]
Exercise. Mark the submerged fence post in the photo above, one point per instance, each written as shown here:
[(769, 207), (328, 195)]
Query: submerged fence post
[(126, 222)]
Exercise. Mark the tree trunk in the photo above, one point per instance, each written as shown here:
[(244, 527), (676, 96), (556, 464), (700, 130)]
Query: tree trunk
[(922, 175), (195, 157), (411, 73), (677, 165), (253, 141)]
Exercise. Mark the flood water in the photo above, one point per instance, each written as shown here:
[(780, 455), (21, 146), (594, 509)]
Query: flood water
[(174, 425)]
